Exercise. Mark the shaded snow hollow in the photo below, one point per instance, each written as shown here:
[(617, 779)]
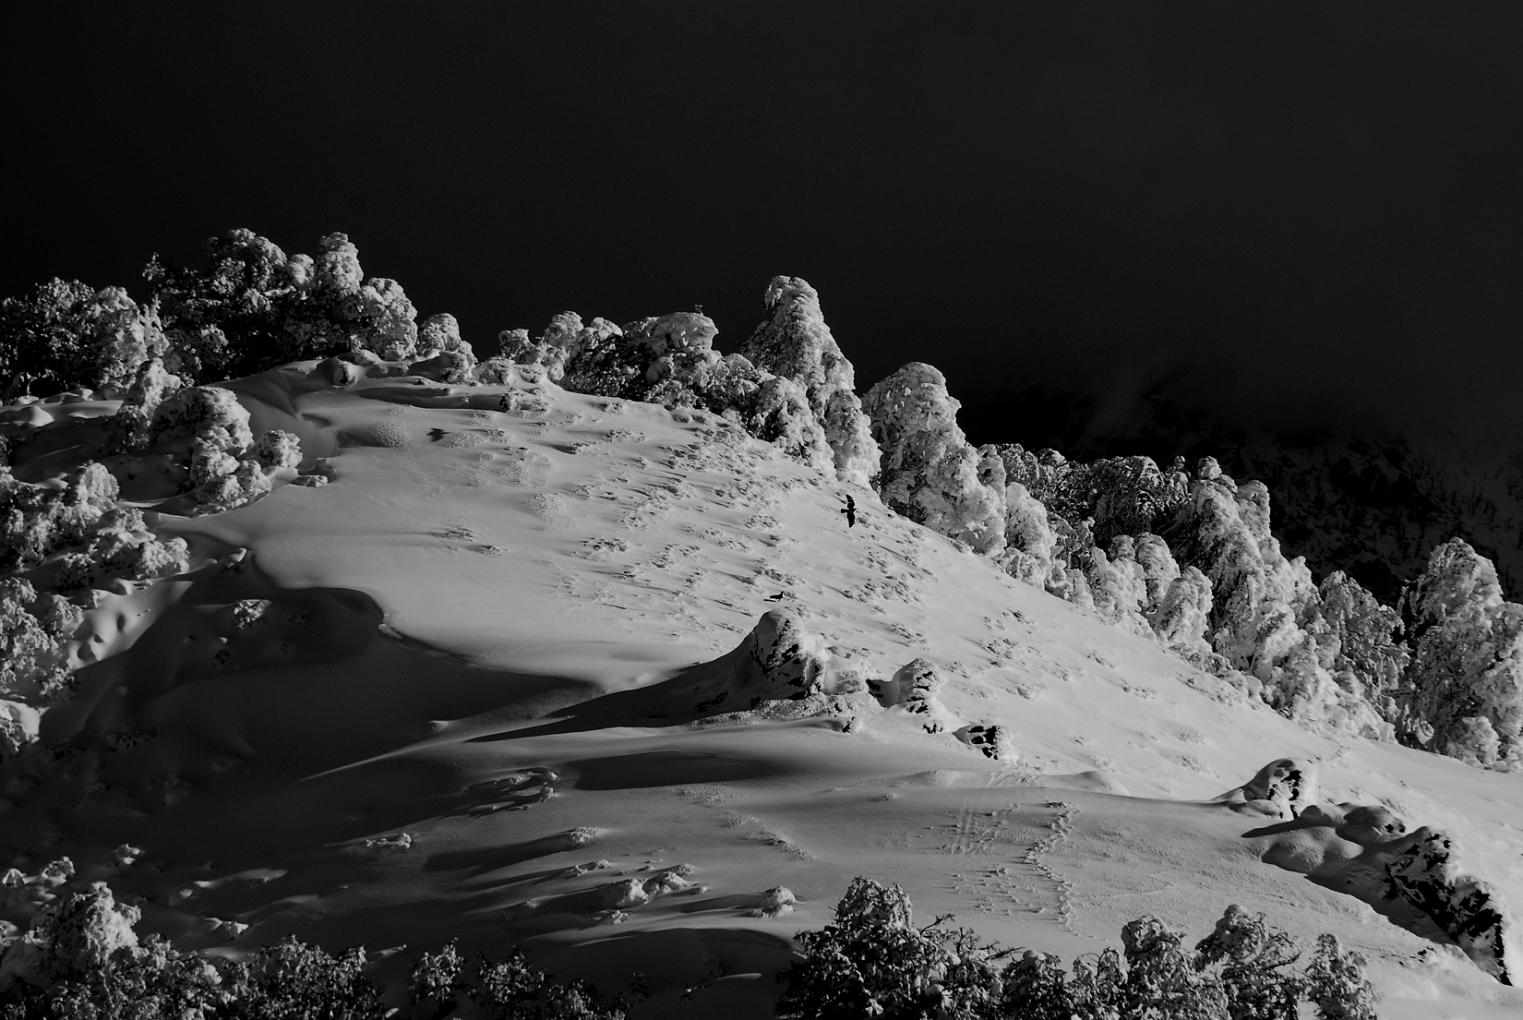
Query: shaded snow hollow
[(587, 674)]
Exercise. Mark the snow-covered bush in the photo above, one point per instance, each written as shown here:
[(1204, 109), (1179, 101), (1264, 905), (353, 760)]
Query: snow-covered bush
[(82, 960), (74, 938), (130, 428), (209, 413), (39, 520), (66, 335), (292, 978), (928, 469), (277, 448), (1249, 958), (874, 961), (439, 333), (33, 664), (446, 357), (209, 430), (670, 360), (795, 343), (1335, 983), (228, 318), (85, 540), (516, 988), (386, 323), (252, 307)]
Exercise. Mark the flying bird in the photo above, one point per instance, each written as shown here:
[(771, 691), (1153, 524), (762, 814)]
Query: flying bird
[(850, 510)]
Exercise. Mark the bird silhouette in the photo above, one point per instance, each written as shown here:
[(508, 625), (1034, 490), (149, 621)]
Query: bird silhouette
[(850, 510), (775, 598)]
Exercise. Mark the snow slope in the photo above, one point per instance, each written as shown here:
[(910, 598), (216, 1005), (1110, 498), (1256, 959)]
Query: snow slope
[(455, 692)]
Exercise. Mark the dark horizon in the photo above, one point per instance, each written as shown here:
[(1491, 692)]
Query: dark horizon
[(1284, 219)]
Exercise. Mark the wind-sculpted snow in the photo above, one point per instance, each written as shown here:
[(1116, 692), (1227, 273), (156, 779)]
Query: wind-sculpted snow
[(796, 344), (914, 689), (1418, 879), (778, 661), (1424, 869), (1283, 788), (929, 471)]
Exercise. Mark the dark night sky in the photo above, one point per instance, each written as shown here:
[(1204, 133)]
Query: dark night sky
[(1285, 211)]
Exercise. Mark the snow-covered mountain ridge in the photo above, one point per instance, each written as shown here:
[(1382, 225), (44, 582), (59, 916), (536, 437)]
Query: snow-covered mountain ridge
[(491, 592)]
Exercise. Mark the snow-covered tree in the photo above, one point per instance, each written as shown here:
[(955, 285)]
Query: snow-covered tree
[(795, 343), (1182, 613), (251, 306), (1368, 658), (1467, 659), (1029, 540), (670, 360), (928, 469), (1118, 586)]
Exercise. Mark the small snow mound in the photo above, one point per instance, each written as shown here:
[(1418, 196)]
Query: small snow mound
[(391, 843), (669, 880), (992, 740), (913, 690), (626, 893), (775, 902), (336, 373), (583, 835), (777, 661)]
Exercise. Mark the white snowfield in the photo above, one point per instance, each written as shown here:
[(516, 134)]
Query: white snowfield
[(621, 685)]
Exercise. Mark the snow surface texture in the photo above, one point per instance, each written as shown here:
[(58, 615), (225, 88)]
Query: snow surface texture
[(535, 662)]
